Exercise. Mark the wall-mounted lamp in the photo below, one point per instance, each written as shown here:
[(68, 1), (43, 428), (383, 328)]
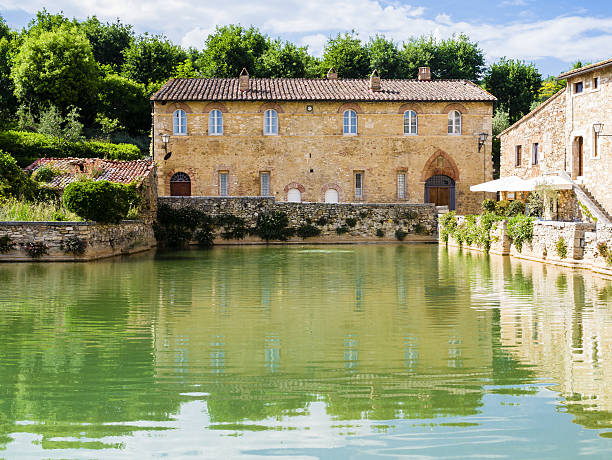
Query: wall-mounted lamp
[(165, 139), (482, 138), (598, 128)]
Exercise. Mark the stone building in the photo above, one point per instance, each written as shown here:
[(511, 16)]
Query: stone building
[(560, 136), (324, 140)]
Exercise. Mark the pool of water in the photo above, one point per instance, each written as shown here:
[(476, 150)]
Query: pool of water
[(341, 352)]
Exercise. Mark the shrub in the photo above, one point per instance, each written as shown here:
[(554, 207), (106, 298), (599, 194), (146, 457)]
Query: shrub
[(448, 225), (515, 208), (307, 230), (6, 244), (535, 205), (400, 234), (410, 214), (13, 181), (273, 226), (234, 227), (204, 236), (74, 245), (380, 233), (363, 214), (35, 249), (175, 228), (342, 230), (520, 230), (47, 173), (420, 229), (485, 224), (502, 207), (488, 205), (351, 221), (561, 248), (321, 221), (603, 249), (101, 201)]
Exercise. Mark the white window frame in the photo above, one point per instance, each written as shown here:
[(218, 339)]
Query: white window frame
[(455, 120), (358, 189), (264, 185), (223, 188), (412, 118), (401, 185), (179, 122), (349, 123), (215, 123), (270, 122)]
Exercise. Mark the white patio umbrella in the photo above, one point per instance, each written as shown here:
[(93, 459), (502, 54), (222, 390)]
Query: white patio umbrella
[(554, 182), (503, 184)]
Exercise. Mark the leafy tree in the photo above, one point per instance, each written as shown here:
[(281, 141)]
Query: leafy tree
[(286, 60), (455, 57), (500, 122), (13, 180), (57, 68), (385, 57), (230, 49), (108, 40), (347, 55), (5, 31), (515, 84), (46, 22), (185, 69), (8, 102), (549, 88), (51, 123), (151, 58), (126, 101)]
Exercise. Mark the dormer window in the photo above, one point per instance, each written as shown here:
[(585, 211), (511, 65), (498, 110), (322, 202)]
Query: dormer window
[(350, 123), (270, 122), (179, 122), (454, 122)]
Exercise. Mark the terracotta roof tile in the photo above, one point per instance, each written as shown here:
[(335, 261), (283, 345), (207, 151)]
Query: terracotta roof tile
[(586, 68), (303, 89)]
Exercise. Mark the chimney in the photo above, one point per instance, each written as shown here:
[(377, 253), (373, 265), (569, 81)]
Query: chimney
[(375, 81), (424, 74), (243, 80), (332, 74)]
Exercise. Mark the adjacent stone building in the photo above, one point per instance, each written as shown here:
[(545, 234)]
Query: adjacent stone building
[(560, 136), (324, 140)]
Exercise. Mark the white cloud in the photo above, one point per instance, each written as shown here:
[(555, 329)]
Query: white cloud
[(311, 21)]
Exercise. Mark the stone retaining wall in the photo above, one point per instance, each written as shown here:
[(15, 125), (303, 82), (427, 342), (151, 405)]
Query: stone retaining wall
[(592, 252), (419, 221), (100, 240)]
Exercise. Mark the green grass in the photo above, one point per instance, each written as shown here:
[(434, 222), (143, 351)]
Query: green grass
[(14, 210)]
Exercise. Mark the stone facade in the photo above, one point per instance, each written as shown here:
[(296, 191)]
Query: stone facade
[(419, 221), (563, 127), (101, 240), (311, 154)]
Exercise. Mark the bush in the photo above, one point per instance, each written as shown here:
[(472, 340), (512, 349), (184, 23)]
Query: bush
[(400, 234), (351, 221), (101, 201), (520, 230), (74, 245), (502, 207), (342, 230), (35, 249), (603, 249), (535, 205), (47, 173), (321, 221), (6, 244), (420, 229), (26, 147), (380, 233), (488, 205), (13, 181), (515, 208), (235, 227), (307, 230), (448, 225), (175, 228), (273, 226), (561, 248)]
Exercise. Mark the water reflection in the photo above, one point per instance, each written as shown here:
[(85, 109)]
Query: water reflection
[(283, 338)]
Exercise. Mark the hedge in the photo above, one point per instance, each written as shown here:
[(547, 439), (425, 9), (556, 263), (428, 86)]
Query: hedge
[(100, 201), (28, 147)]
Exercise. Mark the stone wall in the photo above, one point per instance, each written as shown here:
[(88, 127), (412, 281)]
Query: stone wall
[(418, 220), (500, 242), (310, 152), (101, 240), (592, 251)]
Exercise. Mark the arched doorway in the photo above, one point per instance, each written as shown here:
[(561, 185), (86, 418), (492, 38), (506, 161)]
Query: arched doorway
[(294, 195), (180, 184), (440, 189), (331, 195)]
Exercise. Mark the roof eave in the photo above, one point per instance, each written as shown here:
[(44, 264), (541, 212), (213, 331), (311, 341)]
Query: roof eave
[(587, 69)]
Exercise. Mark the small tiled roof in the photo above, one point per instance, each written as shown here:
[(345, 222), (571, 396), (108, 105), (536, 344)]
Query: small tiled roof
[(586, 68), (94, 168), (308, 89)]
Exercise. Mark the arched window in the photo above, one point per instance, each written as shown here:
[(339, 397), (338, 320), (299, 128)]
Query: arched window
[(270, 122), (215, 123), (350, 122), (331, 195), (294, 195), (410, 122), (179, 122), (454, 122), (180, 184)]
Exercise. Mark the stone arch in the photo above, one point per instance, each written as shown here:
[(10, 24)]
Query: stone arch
[(350, 105), (410, 106), (440, 163), (171, 108), (172, 172), (291, 185), (455, 106), (270, 105), (215, 105), (332, 186)]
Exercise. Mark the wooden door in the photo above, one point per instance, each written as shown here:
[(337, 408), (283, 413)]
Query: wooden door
[(180, 188), (440, 196)]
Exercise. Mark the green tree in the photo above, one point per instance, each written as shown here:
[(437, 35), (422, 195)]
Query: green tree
[(549, 88), (515, 84), (347, 55), (286, 60), (46, 22), (185, 69), (57, 68), (500, 122), (5, 31), (151, 59), (126, 101), (385, 57), (108, 40), (230, 49), (456, 57), (8, 102)]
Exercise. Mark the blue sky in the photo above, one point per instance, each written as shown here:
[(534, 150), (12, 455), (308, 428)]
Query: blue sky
[(553, 34)]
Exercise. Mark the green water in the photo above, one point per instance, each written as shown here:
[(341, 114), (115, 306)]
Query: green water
[(387, 351)]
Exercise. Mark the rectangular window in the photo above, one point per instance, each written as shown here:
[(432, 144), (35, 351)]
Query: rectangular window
[(223, 183), (595, 145), (535, 153), (518, 155), (595, 82), (264, 183), (358, 185), (401, 186), (578, 87)]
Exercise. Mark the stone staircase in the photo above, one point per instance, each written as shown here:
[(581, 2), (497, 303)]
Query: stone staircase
[(596, 204)]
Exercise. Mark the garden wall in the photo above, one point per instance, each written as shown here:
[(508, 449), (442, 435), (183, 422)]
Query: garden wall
[(598, 249), (419, 221), (100, 240)]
